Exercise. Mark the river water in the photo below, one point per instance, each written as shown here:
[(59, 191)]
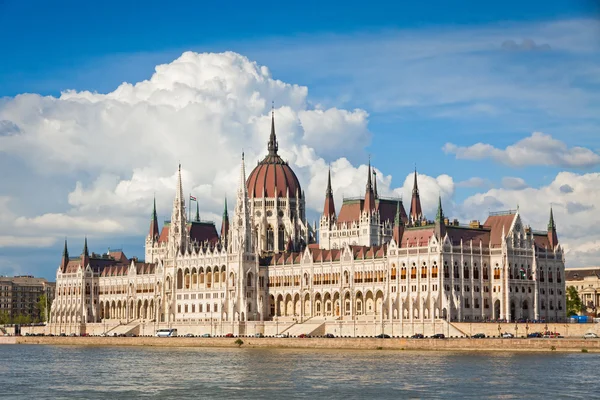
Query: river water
[(55, 372)]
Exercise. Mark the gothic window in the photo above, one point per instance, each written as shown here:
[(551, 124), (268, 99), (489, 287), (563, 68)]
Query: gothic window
[(281, 238), (466, 272), (270, 238)]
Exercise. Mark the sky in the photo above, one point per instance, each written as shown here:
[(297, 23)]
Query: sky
[(497, 104)]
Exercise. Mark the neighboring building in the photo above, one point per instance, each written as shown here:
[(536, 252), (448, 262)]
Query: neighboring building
[(19, 295), (587, 282), (373, 263)]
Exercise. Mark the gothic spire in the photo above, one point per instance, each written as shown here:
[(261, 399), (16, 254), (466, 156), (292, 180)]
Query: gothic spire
[(375, 184), (329, 207), (440, 212), (65, 251), (415, 204), (179, 193), (197, 219), (552, 236), (273, 145), (397, 219), (369, 195), (153, 232), (551, 224), (225, 224), (85, 248)]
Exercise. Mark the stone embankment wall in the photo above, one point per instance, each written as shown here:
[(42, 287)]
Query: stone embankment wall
[(574, 345), (522, 329)]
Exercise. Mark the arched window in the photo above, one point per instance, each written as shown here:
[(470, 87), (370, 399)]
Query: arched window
[(270, 239), (249, 279), (179, 279), (281, 238)]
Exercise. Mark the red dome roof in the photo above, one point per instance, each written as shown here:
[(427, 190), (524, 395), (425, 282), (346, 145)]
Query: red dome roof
[(271, 173)]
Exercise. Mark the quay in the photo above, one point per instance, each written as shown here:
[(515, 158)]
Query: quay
[(451, 344)]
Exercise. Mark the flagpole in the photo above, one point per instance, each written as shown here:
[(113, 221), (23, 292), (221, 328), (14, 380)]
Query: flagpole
[(189, 206)]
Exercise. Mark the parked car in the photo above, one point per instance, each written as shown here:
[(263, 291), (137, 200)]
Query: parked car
[(439, 336), (206, 335), (508, 335), (535, 335), (302, 335), (479, 336), (259, 335), (189, 335), (229, 335), (329, 335), (590, 335), (417, 336), (383, 336)]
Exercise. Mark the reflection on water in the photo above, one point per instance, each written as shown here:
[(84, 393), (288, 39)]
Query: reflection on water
[(53, 372)]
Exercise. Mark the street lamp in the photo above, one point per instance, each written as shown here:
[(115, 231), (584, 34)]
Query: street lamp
[(499, 330), (527, 329), (516, 330)]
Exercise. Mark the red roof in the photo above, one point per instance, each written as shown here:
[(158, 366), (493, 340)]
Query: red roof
[(497, 223), (273, 173), (199, 232), (417, 236), (467, 234)]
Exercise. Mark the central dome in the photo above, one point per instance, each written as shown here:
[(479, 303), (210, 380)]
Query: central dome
[(272, 173)]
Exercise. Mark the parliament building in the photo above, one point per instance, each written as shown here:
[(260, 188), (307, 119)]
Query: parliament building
[(368, 268)]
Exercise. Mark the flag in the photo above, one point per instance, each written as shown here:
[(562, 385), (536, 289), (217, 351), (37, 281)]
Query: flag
[(192, 198)]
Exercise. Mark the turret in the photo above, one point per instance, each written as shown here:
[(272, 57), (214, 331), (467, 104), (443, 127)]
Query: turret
[(242, 225), (65, 258), (398, 226), (153, 232), (225, 225), (329, 207), (375, 184), (369, 205), (552, 237), (85, 257), (178, 228), (440, 226), (416, 214)]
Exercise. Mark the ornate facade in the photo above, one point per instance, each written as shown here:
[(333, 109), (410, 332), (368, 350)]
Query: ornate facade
[(371, 264)]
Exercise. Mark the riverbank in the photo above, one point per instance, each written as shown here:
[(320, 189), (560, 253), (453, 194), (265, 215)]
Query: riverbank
[(462, 344)]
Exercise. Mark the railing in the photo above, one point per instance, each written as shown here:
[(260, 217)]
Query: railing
[(499, 213)]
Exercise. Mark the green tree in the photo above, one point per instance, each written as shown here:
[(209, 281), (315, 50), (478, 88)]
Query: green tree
[(574, 303), (42, 308), (4, 318)]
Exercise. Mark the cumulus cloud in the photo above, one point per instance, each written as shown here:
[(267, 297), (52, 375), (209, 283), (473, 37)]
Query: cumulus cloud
[(537, 149), (525, 45), (574, 210), (474, 182), (200, 110), (514, 183)]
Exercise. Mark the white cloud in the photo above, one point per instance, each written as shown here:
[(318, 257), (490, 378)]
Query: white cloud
[(474, 182), (574, 211), (514, 183), (538, 149), (26, 241)]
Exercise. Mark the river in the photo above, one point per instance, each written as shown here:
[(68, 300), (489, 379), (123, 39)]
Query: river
[(56, 372)]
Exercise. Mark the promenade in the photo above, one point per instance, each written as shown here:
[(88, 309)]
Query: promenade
[(454, 344)]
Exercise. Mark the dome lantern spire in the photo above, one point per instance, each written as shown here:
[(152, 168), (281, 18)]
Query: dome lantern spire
[(273, 145)]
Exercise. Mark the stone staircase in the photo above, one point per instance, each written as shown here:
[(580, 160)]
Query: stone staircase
[(123, 329), (311, 327)]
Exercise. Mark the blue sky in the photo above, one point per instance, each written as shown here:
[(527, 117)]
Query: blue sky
[(426, 74)]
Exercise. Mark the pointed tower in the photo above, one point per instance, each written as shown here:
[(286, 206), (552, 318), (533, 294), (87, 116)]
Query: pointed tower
[(398, 226), (85, 257), (329, 207), (242, 224), (415, 204), (197, 219), (153, 232), (225, 225), (273, 146), (178, 227), (552, 237), (375, 184), (65, 257), (440, 226), (369, 205)]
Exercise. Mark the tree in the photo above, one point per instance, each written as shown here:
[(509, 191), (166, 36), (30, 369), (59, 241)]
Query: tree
[(4, 318), (574, 303), (42, 308)]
